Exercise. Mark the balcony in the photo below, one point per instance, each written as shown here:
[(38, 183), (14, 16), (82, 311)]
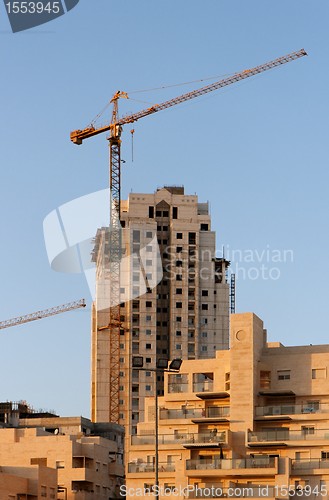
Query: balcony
[(308, 466), (144, 467), (214, 412), (291, 409), (284, 436), (177, 388), (207, 386), (188, 440), (186, 413), (234, 467)]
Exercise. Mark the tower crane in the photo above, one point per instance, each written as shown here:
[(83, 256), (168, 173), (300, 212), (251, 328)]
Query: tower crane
[(115, 129), (42, 314)]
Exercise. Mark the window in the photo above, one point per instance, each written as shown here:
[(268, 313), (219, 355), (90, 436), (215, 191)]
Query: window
[(312, 406), (179, 291), (147, 374), (148, 332), (158, 213), (179, 263), (164, 228), (178, 333), (148, 318), (204, 307), (204, 293), (204, 348), (147, 387), (149, 234), (148, 303), (319, 373), (178, 319), (136, 236), (148, 346), (148, 262), (179, 277), (135, 388), (179, 249), (191, 348), (204, 227), (165, 213), (308, 430), (204, 334), (324, 455), (179, 305), (178, 347), (43, 491), (174, 212), (149, 248), (59, 464), (190, 335), (179, 236), (148, 360), (151, 212), (283, 374), (192, 238)]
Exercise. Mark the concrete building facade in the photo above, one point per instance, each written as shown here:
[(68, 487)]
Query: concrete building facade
[(174, 297), (258, 425), (64, 458)]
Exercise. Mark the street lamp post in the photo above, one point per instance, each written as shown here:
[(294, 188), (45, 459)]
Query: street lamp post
[(162, 366)]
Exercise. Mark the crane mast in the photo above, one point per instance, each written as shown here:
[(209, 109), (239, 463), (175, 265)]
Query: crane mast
[(115, 128), (45, 313)]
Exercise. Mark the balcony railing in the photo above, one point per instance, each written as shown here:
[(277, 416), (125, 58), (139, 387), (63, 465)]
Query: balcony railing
[(203, 386), (181, 438), (262, 411), (288, 435), (189, 413), (234, 463), (181, 413), (146, 467), (178, 387), (305, 464)]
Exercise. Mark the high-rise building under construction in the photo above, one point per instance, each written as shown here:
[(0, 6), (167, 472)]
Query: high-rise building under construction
[(174, 297)]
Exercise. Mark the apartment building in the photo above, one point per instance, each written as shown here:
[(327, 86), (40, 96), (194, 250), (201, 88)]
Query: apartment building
[(174, 297), (252, 422), (58, 457)]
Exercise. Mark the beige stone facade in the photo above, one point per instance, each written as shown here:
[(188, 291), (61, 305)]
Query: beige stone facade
[(251, 422), (28, 483), (84, 460), (183, 313)]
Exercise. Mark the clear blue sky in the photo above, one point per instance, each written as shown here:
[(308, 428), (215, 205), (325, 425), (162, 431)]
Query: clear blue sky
[(258, 151)]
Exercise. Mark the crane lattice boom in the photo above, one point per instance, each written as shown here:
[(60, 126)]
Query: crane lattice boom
[(79, 135), (42, 314)]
